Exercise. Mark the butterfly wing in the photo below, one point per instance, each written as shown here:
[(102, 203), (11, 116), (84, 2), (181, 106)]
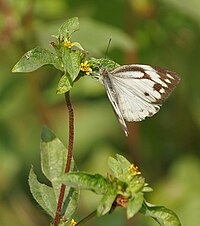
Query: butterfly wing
[(131, 105), (112, 97), (141, 89)]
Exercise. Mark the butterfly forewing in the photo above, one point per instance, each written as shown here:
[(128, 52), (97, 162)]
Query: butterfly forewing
[(131, 102), (137, 91), (169, 81), (154, 82)]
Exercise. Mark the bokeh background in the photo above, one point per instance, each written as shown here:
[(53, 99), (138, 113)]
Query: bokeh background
[(166, 147)]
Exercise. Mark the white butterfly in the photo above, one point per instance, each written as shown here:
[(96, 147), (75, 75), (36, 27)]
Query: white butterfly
[(137, 91)]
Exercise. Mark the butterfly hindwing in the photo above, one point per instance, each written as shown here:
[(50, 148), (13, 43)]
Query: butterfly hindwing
[(131, 100)]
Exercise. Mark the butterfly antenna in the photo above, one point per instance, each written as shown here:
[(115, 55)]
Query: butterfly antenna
[(108, 47)]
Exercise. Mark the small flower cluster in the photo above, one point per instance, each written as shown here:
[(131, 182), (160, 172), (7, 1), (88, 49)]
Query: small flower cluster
[(85, 67), (134, 170), (69, 44), (73, 222)]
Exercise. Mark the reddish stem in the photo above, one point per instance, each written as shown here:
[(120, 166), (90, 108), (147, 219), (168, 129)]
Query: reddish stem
[(69, 156)]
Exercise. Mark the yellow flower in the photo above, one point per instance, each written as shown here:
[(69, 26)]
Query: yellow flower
[(68, 44), (85, 67), (73, 222), (133, 170)]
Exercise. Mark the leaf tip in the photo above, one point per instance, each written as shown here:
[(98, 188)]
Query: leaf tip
[(15, 68), (58, 91), (47, 135)]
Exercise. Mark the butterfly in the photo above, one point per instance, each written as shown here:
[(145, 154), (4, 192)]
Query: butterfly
[(137, 91)]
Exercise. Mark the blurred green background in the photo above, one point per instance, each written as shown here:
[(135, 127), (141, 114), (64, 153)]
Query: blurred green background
[(166, 147)]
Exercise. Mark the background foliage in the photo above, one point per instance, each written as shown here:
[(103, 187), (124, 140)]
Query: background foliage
[(166, 147)]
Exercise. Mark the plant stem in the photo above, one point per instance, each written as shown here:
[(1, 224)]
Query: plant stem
[(69, 156), (71, 131)]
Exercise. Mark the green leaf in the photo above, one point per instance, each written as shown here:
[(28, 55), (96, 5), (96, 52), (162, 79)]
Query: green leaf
[(53, 158), (46, 197), (35, 59), (64, 84), (74, 64), (52, 147), (162, 215), (70, 202), (136, 184), (124, 163), (65, 57), (80, 180), (43, 194), (114, 166), (146, 188), (71, 61), (53, 155), (134, 204), (47, 135), (69, 27), (53, 161), (120, 168), (105, 204), (78, 45)]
